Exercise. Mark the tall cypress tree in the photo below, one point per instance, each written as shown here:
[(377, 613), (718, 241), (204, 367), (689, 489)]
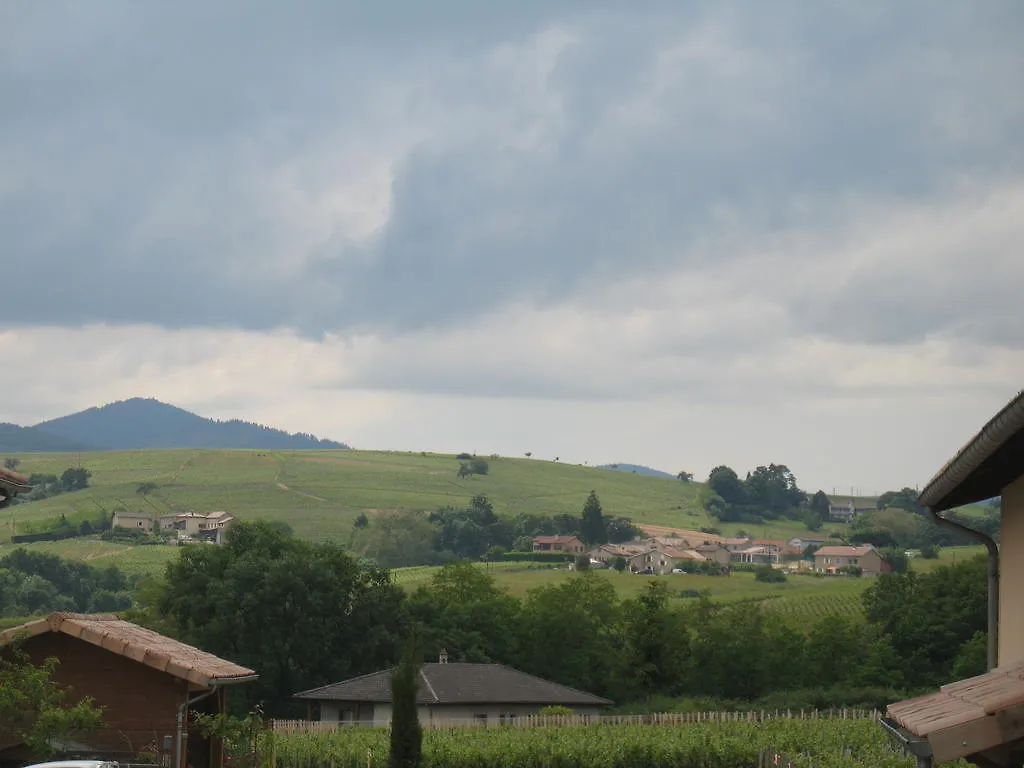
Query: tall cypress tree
[(406, 731), (592, 528)]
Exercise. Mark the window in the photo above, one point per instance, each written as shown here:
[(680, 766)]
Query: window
[(480, 718)]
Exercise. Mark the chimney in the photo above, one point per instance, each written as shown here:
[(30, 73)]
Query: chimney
[(443, 658)]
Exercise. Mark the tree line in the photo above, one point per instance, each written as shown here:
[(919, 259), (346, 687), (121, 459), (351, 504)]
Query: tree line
[(475, 532), (33, 583), (307, 614)]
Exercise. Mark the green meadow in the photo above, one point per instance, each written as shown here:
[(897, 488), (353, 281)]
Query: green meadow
[(321, 493)]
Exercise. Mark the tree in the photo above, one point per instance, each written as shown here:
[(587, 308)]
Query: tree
[(299, 612), (929, 551), (32, 705), (582, 562), (464, 470), (529, 454), (724, 482), (146, 488), (11, 463), (619, 563), (820, 505), (406, 731), (774, 490), (686, 477), (75, 479), (479, 466), (592, 526)]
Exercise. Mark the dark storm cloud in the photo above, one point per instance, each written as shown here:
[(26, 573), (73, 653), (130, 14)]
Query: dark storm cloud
[(538, 149)]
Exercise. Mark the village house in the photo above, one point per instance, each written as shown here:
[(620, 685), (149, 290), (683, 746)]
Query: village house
[(981, 718), (735, 544), (831, 559), (146, 684), (713, 552), (448, 693), (755, 555), (803, 542), (568, 544), (607, 553), (663, 560), (843, 511), (210, 526)]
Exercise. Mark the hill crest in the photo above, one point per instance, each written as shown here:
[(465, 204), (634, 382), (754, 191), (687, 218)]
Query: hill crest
[(143, 423)]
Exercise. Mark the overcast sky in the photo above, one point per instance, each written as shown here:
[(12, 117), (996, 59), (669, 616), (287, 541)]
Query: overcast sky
[(671, 233)]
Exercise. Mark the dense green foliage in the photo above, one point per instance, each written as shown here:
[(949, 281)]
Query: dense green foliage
[(767, 493), (33, 708), (821, 743), (33, 583), (475, 531), (302, 614)]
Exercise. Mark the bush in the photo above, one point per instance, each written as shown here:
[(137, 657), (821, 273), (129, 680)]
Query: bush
[(583, 562), (768, 574), (929, 551), (479, 466)]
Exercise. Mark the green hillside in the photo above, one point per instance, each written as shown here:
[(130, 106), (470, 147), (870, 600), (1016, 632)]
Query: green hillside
[(320, 493)]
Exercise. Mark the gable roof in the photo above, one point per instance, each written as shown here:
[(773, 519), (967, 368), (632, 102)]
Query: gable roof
[(842, 551), (145, 646), (459, 684), (989, 462)]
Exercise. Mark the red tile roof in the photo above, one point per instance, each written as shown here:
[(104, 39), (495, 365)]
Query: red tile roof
[(842, 551), (108, 631)]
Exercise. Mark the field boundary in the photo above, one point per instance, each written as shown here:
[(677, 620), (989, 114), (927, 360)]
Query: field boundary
[(556, 721)]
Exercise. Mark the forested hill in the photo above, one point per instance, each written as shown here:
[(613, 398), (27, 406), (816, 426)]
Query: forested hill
[(147, 423), (15, 439)]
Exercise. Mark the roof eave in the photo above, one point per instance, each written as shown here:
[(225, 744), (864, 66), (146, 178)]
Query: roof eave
[(980, 469)]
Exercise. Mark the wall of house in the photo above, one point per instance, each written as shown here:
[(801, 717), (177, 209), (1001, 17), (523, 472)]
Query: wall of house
[(1011, 597), (380, 713), (140, 703)]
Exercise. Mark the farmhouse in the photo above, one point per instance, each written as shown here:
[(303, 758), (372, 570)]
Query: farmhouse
[(843, 511), (568, 544), (210, 526), (831, 559), (981, 718), (145, 682), (663, 560), (448, 693), (11, 484)]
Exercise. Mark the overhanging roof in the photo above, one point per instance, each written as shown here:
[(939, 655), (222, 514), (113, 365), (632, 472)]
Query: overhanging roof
[(143, 645), (968, 716), (992, 460)]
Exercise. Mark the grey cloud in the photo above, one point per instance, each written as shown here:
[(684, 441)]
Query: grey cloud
[(138, 157)]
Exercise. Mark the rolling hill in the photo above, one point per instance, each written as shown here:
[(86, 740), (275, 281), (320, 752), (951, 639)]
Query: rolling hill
[(321, 493), (141, 423)]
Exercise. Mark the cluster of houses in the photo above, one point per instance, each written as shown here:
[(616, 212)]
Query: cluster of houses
[(188, 526), (658, 555)]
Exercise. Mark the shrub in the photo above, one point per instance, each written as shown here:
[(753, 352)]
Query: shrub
[(768, 574)]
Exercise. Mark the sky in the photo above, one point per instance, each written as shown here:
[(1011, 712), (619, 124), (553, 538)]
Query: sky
[(679, 234)]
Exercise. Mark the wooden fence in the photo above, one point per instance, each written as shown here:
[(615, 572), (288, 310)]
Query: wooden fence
[(547, 721)]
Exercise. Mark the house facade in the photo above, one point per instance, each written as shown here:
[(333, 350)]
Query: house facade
[(568, 544), (845, 510), (662, 560), (981, 718), (833, 558), (448, 693), (140, 678), (209, 526)]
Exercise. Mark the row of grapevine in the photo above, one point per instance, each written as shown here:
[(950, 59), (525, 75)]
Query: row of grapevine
[(808, 743), (810, 608)]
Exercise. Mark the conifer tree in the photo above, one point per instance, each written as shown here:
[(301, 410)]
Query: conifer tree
[(406, 731)]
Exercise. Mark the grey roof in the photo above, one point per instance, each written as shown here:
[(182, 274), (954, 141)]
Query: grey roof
[(459, 684)]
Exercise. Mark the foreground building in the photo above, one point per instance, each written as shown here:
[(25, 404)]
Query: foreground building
[(448, 693), (11, 484), (981, 718), (146, 683)]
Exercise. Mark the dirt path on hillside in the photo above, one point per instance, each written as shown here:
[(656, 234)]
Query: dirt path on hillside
[(284, 487), (664, 530)]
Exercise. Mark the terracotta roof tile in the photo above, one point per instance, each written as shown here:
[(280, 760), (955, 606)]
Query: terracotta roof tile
[(110, 632)]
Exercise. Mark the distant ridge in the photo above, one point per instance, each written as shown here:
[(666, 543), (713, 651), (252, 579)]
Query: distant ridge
[(637, 469), (15, 439), (141, 423)]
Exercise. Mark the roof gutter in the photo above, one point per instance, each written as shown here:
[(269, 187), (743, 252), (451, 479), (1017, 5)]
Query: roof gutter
[(180, 729), (993, 580)]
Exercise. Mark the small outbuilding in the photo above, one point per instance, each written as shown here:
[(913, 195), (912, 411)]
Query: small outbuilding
[(146, 683), (448, 693)]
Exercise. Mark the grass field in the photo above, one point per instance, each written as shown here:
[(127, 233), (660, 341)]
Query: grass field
[(947, 556), (131, 559), (320, 493)]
